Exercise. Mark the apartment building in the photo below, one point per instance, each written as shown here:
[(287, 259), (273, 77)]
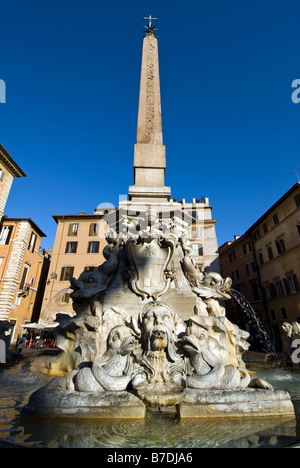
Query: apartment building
[(23, 272), (78, 246), (9, 170), (203, 238), (264, 263), (276, 240)]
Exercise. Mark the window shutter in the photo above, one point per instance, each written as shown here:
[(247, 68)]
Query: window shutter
[(272, 290), (296, 283), (286, 286), (23, 279), (62, 273), (92, 229)]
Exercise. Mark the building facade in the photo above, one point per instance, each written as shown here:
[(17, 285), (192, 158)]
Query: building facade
[(8, 171), (23, 272), (78, 246), (202, 233), (264, 263), (238, 261), (276, 240)]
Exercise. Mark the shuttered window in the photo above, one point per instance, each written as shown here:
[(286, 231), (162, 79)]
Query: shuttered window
[(66, 273), (93, 247), (71, 247), (5, 234)]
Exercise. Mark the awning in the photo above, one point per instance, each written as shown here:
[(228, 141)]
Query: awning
[(40, 326)]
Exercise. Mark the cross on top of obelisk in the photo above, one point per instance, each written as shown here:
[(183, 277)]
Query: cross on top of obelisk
[(150, 28)]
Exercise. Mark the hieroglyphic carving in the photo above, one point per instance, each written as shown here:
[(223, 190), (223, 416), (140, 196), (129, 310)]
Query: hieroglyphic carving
[(150, 113)]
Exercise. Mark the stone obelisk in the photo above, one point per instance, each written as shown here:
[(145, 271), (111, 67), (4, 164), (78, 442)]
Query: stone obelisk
[(149, 150)]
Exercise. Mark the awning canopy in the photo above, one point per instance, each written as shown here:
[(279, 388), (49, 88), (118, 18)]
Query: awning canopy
[(40, 326)]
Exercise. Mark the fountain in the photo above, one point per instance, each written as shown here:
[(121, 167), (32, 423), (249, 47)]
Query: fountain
[(149, 335), (118, 362)]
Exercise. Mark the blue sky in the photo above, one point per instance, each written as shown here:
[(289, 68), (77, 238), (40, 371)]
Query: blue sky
[(72, 70)]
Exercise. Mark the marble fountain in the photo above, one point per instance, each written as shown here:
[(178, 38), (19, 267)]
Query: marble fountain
[(149, 337)]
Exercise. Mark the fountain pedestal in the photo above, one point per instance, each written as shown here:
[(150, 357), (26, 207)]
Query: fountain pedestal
[(233, 403)]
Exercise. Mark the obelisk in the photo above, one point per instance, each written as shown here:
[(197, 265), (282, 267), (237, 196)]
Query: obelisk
[(149, 150)]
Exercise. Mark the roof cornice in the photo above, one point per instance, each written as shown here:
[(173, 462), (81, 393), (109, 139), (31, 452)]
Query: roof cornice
[(10, 164)]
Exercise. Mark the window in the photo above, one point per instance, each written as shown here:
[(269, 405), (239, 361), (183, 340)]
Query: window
[(90, 268), (71, 247), (235, 275), (197, 248), (32, 242), (261, 258), (247, 248), (73, 229), (1, 174), (93, 247), (296, 283), (275, 219), (93, 229), (257, 234), (268, 292), (250, 268), (298, 227), (5, 234), (65, 299), (270, 253), (265, 228), (291, 283), (278, 287), (255, 291), (280, 246), (232, 257), (66, 273), (272, 290), (297, 200), (284, 313), (24, 276), (18, 300), (273, 315)]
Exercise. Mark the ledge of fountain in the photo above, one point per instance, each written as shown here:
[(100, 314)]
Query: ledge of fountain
[(235, 403)]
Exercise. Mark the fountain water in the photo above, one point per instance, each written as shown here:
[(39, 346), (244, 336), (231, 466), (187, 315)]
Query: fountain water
[(255, 322), (48, 314)]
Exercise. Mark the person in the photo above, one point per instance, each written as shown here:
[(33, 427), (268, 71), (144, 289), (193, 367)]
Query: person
[(21, 344)]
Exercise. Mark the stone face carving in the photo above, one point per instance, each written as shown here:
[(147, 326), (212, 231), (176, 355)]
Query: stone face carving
[(160, 376)]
